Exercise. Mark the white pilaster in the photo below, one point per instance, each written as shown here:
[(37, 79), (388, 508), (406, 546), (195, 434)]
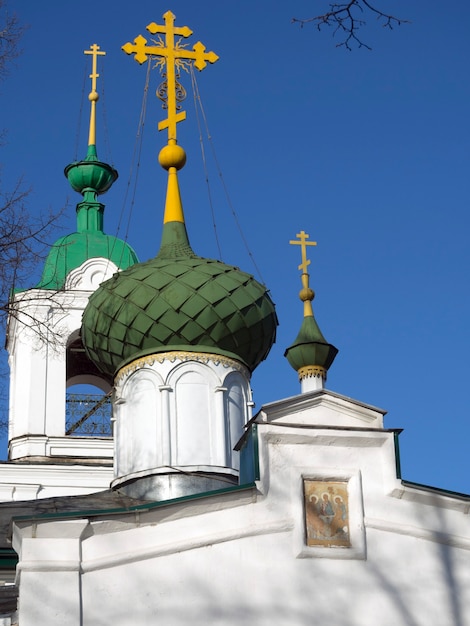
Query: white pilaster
[(48, 572)]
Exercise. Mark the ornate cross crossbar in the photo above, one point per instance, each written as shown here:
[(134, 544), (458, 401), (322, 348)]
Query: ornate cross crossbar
[(173, 54)]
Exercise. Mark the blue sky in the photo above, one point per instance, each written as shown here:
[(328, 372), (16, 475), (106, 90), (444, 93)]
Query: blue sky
[(366, 151)]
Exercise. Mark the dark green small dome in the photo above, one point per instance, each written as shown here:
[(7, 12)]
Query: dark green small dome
[(310, 348), (178, 301)]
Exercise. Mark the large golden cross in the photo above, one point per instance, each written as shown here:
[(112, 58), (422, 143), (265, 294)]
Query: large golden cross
[(173, 55), (303, 243), (93, 96)]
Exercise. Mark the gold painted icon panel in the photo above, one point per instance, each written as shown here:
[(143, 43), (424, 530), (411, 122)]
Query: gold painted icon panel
[(326, 513)]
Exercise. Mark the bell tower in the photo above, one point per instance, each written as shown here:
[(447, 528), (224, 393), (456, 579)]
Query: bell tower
[(46, 354)]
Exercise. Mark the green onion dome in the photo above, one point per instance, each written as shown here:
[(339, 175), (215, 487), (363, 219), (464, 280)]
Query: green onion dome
[(178, 301), (91, 178), (310, 348)]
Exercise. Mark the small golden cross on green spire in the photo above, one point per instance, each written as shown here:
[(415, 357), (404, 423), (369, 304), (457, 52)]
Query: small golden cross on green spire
[(93, 97), (95, 52), (303, 243), (173, 54)]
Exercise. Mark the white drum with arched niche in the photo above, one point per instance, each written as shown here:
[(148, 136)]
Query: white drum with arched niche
[(178, 416)]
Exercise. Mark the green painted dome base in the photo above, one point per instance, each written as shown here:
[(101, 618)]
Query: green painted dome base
[(71, 251)]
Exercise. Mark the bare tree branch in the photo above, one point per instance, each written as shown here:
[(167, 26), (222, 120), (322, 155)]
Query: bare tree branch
[(10, 34), (23, 235), (347, 18), (22, 238)]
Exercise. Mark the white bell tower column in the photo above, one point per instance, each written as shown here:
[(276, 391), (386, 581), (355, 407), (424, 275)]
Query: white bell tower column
[(42, 333)]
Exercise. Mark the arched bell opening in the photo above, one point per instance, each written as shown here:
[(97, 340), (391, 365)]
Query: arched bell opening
[(88, 398), (79, 368)]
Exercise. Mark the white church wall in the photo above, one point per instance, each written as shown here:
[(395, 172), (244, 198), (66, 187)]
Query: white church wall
[(243, 557), (51, 592), (257, 580), (239, 565)]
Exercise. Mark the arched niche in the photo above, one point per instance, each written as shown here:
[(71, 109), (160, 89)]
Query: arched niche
[(138, 425), (196, 426)]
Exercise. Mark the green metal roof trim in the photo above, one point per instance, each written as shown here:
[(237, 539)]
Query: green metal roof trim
[(106, 509), (178, 301), (71, 251), (8, 558)]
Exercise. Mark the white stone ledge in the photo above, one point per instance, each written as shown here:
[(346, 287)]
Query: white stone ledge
[(44, 446), (48, 566), (434, 536), (432, 497), (192, 543)]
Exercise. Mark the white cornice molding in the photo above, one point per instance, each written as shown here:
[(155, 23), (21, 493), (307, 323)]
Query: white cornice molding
[(303, 408)]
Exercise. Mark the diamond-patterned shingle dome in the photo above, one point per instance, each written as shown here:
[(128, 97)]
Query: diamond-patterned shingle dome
[(178, 301)]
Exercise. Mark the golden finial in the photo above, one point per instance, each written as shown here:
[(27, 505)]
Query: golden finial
[(93, 96), (306, 294)]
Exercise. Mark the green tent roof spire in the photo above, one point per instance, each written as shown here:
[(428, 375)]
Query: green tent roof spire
[(310, 354)]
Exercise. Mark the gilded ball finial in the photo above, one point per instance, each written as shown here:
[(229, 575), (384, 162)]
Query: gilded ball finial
[(93, 96), (172, 155), (306, 294)]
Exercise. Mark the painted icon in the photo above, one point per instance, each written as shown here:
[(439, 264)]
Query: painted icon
[(326, 513)]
